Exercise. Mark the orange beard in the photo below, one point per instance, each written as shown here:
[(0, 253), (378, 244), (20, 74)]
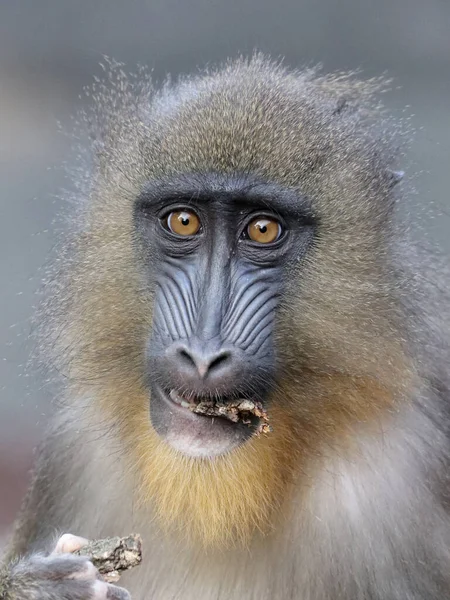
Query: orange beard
[(220, 501)]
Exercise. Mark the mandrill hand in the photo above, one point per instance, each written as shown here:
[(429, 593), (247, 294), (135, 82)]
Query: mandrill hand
[(58, 576)]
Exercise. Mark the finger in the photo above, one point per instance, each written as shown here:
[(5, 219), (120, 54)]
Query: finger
[(69, 543), (88, 572), (99, 591), (117, 593), (57, 567), (104, 591)]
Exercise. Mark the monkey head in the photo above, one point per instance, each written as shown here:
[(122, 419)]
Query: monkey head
[(236, 244)]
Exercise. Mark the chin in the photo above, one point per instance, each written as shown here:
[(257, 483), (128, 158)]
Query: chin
[(194, 435)]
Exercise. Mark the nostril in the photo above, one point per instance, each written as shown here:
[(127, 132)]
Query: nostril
[(186, 357), (219, 360)]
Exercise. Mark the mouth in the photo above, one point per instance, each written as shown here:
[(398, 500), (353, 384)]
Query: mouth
[(200, 426), (241, 410)]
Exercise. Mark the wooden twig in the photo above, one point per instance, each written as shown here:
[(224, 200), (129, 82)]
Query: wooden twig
[(112, 556)]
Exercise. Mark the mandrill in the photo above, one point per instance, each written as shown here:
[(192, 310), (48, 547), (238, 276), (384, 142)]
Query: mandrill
[(254, 354)]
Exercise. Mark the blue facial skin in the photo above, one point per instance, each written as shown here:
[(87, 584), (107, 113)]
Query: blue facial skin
[(215, 298)]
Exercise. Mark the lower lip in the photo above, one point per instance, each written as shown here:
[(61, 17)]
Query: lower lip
[(197, 436)]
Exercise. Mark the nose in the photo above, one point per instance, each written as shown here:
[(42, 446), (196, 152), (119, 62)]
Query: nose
[(200, 362)]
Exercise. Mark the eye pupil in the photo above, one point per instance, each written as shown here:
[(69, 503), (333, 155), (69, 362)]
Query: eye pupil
[(185, 222), (263, 229)]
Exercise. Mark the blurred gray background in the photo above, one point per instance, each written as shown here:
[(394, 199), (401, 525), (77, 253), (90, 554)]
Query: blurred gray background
[(50, 49)]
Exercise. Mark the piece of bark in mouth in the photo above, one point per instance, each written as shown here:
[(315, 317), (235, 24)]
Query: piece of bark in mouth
[(112, 556), (237, 411)]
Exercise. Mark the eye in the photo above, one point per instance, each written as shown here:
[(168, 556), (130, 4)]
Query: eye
[(183, 222), (264, 230)]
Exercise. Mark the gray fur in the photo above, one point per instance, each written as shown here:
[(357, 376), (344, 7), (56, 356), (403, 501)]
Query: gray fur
[(373, 527)]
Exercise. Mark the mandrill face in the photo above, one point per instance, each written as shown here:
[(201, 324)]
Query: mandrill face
[(216, 251)]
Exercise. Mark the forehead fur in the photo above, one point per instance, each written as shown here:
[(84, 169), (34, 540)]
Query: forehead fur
[(319, 134)]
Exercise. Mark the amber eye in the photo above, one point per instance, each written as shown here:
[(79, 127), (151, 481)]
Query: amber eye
[(183, 222), (264, 230)]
